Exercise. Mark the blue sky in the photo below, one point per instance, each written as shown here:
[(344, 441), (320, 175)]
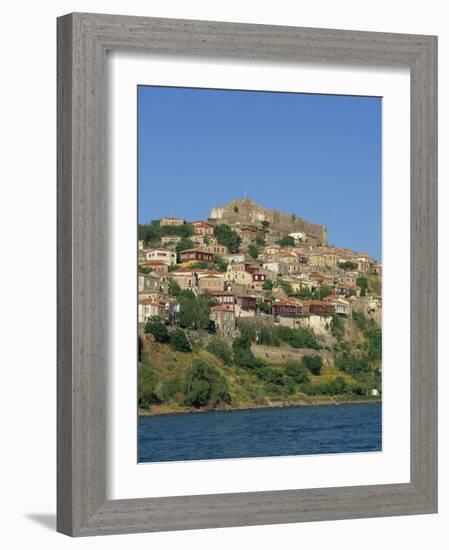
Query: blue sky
[(317, 156)]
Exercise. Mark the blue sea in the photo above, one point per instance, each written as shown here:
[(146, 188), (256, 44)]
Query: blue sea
[(321, 429)]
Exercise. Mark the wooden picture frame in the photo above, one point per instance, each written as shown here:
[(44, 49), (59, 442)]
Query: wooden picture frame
[(83, 40)]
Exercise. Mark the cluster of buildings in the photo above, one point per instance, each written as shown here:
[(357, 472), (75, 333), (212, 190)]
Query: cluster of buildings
[(254, 287)]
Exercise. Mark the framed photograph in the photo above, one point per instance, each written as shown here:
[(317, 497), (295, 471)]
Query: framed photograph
[(247, 274)]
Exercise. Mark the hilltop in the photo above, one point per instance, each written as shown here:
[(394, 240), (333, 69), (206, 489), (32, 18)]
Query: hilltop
[(246, 212)]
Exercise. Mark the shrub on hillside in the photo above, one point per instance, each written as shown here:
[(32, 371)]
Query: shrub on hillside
[(271, 375), (298, 337), (265, 307), (267, 285), (313, 363), (179, 342), (337, 327), (155, 327), (147, 384), (194, 310), (172, 387), (220, 349), (184, 244), (359, 319), (205, 385), (247, 330), (268, 337), (151, 232), (227, 237), (173, 287), (297, 371), (287, 240), (243, 355), (348, 266), (337, 386), (374, 338), (253, 251)]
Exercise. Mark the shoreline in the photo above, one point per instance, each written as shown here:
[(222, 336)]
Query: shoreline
[(257, 407)]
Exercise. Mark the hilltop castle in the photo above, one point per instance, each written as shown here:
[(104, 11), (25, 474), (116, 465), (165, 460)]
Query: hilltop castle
[(247, 213)]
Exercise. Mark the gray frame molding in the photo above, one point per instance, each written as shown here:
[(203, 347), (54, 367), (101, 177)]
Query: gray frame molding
[(83, 40)]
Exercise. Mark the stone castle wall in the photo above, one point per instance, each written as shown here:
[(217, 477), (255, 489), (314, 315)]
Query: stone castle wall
[(247, 212)]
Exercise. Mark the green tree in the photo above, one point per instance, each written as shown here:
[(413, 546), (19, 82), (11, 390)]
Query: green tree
[(348, 266), (198, 393), (362, 282), (337, 386), (304, 293), (260, 241), (287, 288), (253, 251), (205, 385), (337, 327), (194, 310), (359, 319), (186, 230), (297, 371), (247, 330), (287, 240), (220, 349), (222, 265), (227, 237), (265, 307), (179, 342), (243, 355), (147, 384), (173, 287), (184, 244), (187, 307), (268, 337), (172, 388), (323, 291), (267, 285), (357, 365), (270, 375), (374, 350), (298, 337), (151, 232), (155, 327), (313, 363)]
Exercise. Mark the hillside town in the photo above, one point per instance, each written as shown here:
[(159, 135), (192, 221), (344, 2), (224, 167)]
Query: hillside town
[(252, 268), (252, 307)]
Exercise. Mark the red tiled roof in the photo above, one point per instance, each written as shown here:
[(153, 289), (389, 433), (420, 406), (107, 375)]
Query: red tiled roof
[(196, 250), (182, 270), (288, 303), (222, 308), (154, 263), (202, 223)]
